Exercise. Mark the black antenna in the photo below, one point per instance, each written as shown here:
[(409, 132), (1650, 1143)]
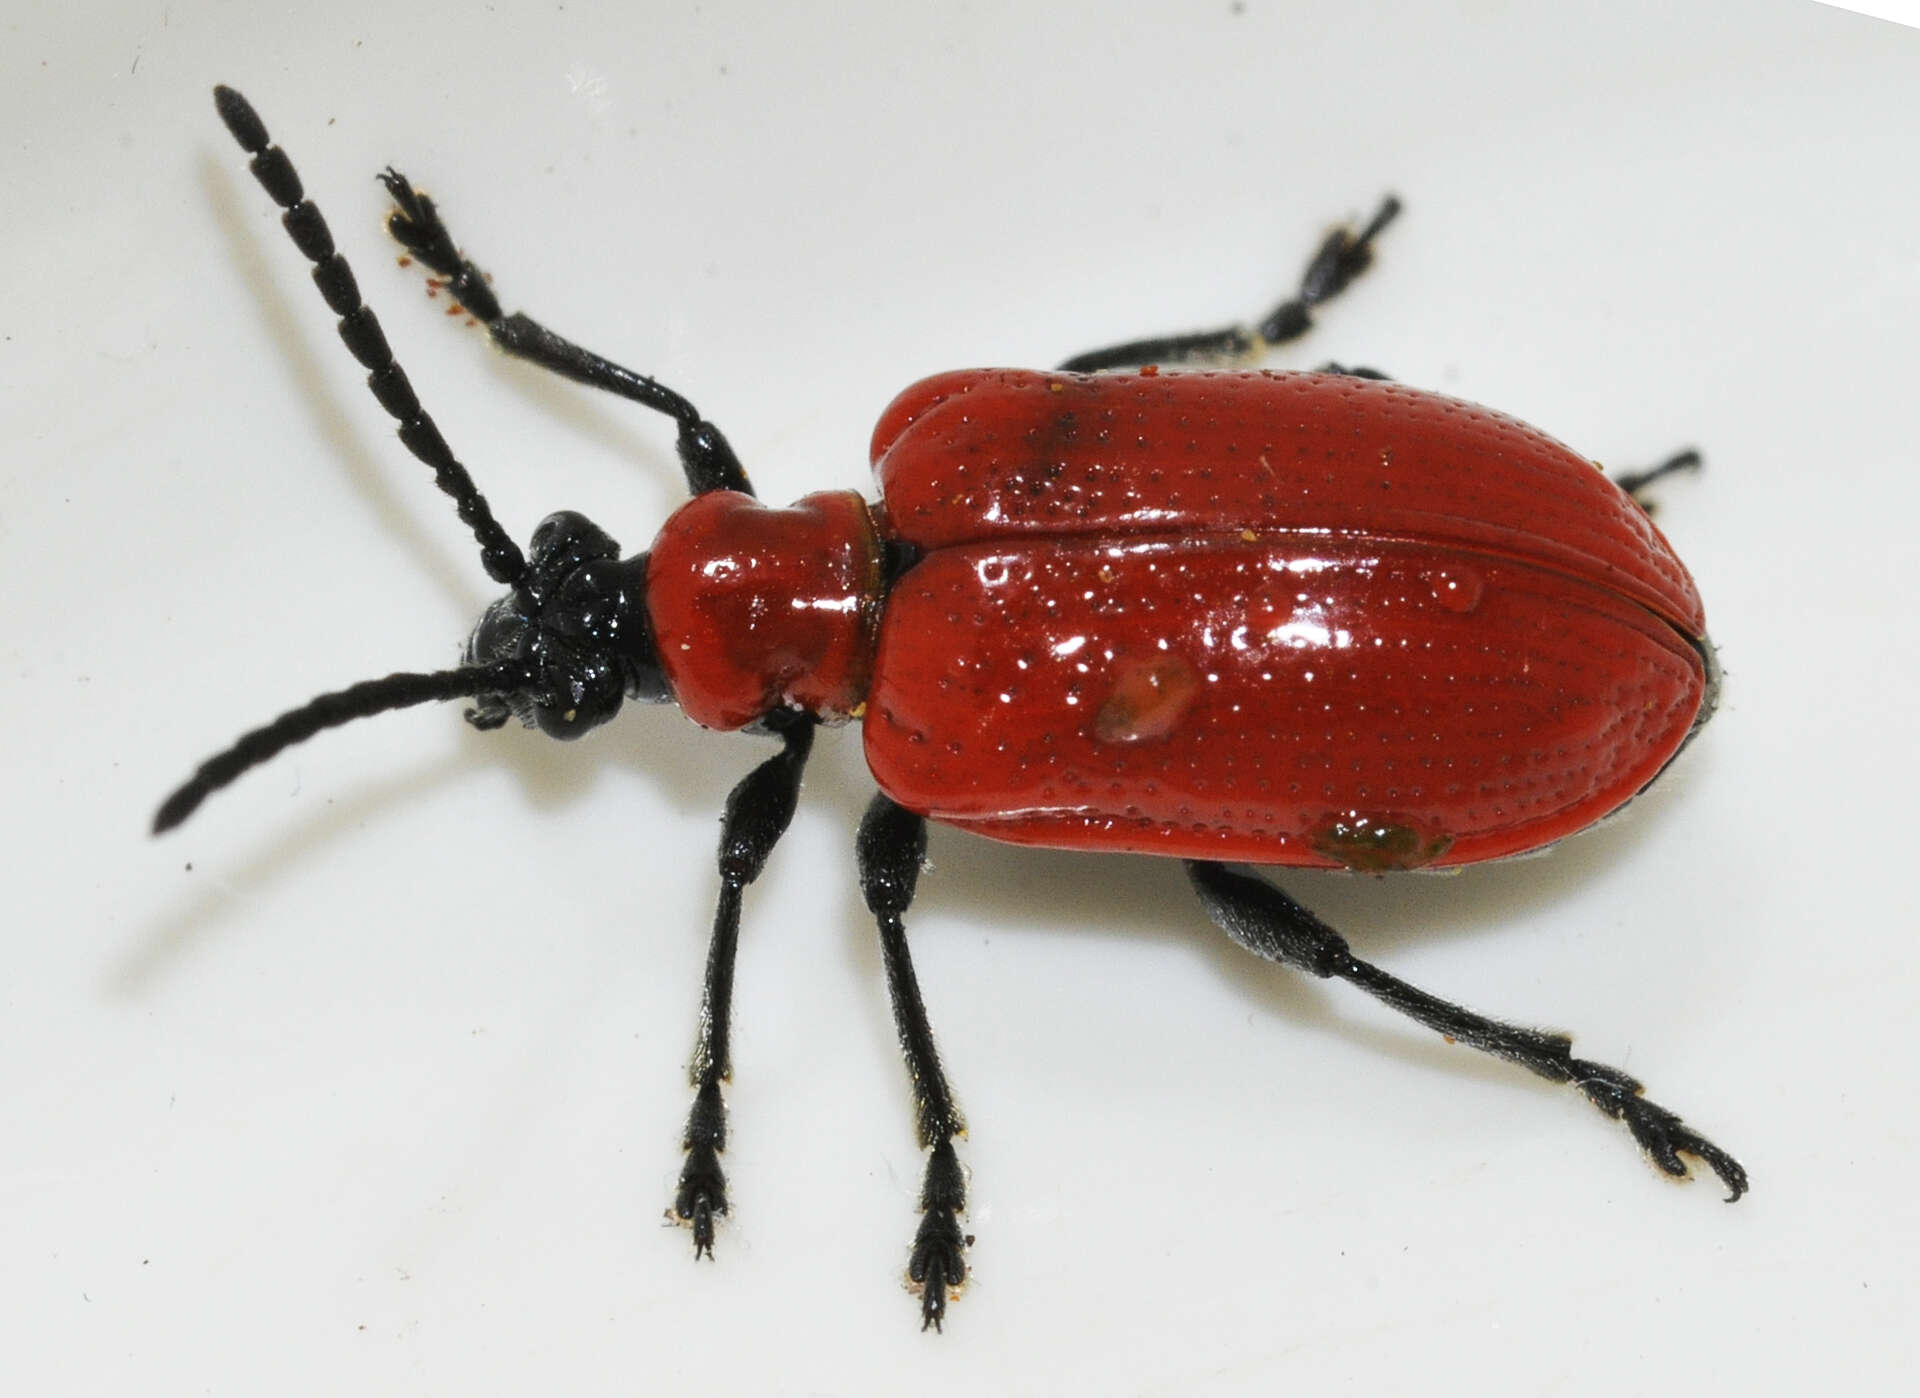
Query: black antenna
[(360, 330), (499, 555), (362, 700)]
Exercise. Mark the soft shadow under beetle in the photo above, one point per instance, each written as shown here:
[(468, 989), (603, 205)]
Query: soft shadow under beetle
[(1318, 620)]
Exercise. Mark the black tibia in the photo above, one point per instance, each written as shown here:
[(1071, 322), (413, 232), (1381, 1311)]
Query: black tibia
[(360, 331), (1342, 257), (758, 812), (705, 455), (1270, 924), (892, 843), (1635, 483)]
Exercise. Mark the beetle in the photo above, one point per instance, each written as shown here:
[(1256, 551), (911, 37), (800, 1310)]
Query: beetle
[(1297, 619)]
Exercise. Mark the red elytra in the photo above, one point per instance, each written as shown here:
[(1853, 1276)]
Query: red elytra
[(1284, 618)]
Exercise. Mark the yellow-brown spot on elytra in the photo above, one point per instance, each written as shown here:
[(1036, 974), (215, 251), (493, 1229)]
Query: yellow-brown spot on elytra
[(1377, 844), (1148, 699)]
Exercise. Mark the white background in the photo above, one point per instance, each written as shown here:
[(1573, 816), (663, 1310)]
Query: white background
[(370, 1079)]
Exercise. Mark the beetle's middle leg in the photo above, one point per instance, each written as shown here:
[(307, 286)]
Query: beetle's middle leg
[(1270, 924), (705, 454), (892, 844), (1342, 257), (758, 812)]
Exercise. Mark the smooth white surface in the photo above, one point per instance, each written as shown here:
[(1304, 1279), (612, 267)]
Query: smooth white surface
[(369, 1080)]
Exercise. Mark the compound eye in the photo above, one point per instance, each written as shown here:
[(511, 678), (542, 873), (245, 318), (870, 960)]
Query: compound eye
[(565, 539), (502, 633), (564, 724), (570, 723), (593, 690)]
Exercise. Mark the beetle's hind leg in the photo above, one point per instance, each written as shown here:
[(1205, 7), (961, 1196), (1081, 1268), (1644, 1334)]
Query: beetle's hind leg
[(758, 812), (892, 843), (1343, 256), (1272, 925), (705, 454)]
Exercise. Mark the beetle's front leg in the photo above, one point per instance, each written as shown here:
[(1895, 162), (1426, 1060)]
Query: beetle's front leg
[(892, 844), (1271, 925), (705, 454), (758, 812)]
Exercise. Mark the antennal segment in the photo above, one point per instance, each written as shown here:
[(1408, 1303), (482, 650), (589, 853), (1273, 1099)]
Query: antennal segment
[(362, 700), (360, 330)]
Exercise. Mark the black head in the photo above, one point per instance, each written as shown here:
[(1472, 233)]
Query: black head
[(576, 626)]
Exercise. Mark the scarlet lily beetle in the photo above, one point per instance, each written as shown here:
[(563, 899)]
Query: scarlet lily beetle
[(1314, 620)]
